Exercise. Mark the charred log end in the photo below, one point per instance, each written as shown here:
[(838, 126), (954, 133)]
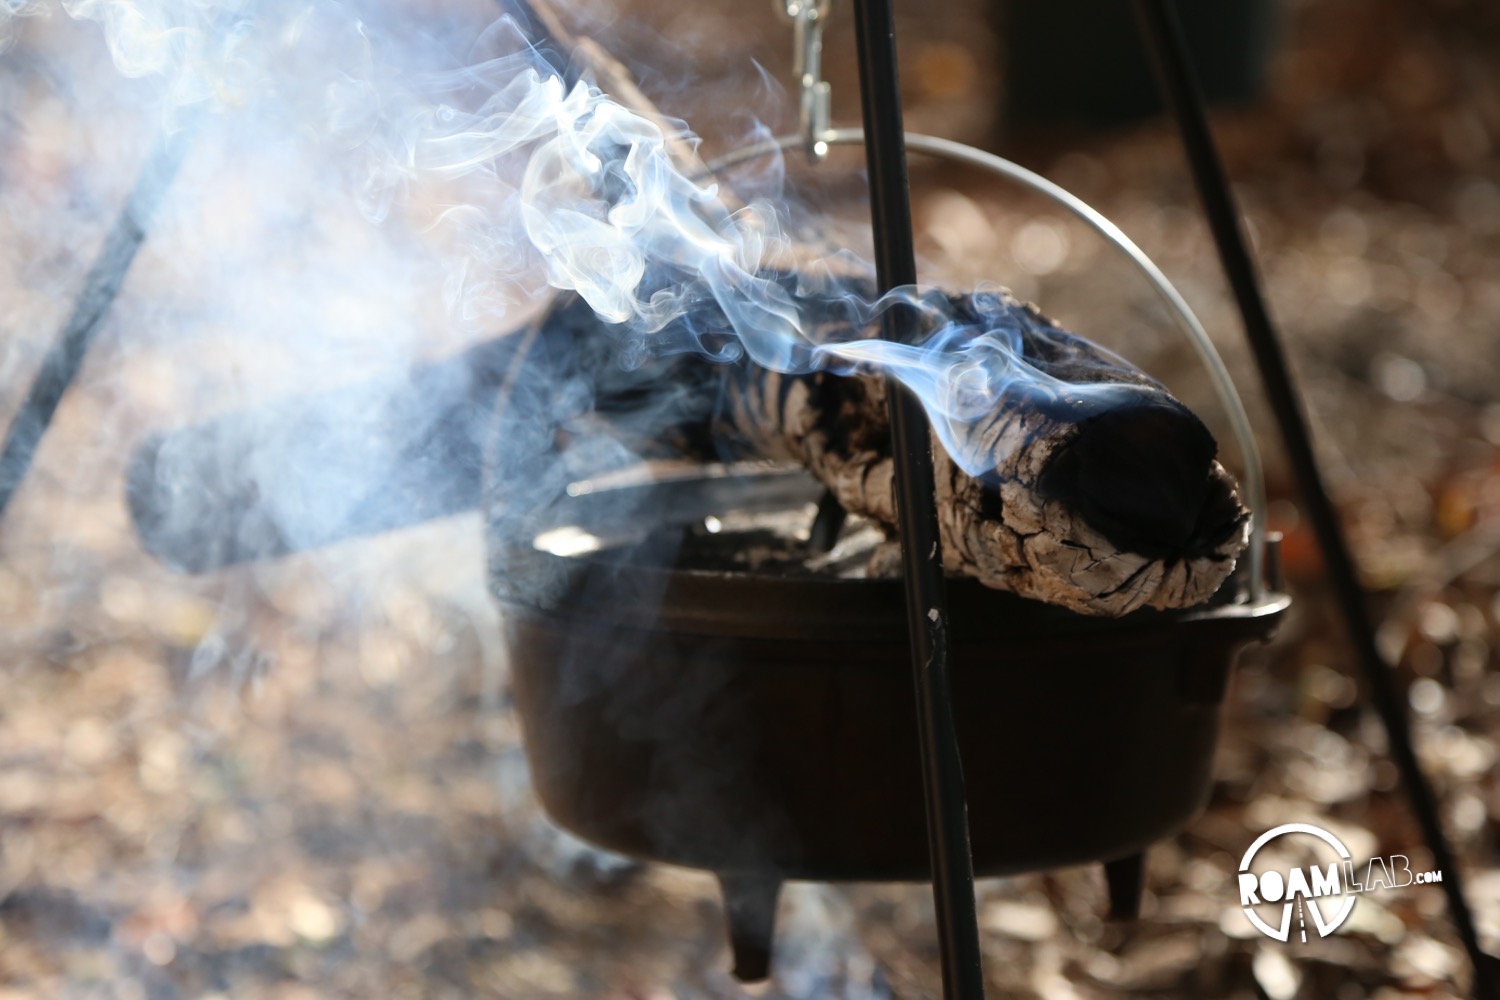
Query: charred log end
[(1140, 474), (750, 910)]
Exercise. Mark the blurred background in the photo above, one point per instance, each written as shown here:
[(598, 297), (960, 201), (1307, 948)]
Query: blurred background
[(302, 778)]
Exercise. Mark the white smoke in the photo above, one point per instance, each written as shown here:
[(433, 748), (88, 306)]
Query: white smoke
[(336, 161), (595, 195), (528, 183), (595, 203)]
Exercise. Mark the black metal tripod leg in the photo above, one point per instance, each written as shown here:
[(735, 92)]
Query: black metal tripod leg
[(916, 508), (66, 356), (1168, 49)]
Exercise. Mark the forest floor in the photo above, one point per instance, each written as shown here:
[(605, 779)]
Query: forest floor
[(303, 779)]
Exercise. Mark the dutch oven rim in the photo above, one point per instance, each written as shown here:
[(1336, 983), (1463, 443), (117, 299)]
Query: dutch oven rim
[(749, 604)]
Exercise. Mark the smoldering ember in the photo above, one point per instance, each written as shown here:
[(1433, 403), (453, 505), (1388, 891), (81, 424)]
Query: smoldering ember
[(459, 488)]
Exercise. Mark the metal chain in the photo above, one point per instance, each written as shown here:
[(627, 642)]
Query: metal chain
[(814, 108)]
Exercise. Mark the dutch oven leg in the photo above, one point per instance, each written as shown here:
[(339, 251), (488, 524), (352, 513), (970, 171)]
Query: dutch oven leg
[(1126, 879), (750, 911)]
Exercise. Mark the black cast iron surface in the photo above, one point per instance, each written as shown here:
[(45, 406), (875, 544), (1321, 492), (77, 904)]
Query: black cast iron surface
[(765, 724)]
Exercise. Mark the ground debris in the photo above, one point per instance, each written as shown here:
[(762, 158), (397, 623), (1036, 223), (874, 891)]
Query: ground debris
[(303, 780)]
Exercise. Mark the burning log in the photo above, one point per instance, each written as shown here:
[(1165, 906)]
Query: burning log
[(316, 470), (1099, 502), (1081, 483), (1090, 487)]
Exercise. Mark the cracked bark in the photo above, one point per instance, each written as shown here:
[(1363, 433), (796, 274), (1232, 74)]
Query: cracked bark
[(1100, 508)]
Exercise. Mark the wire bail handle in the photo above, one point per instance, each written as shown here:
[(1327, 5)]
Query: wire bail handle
[(1253, 480), (815, 105)]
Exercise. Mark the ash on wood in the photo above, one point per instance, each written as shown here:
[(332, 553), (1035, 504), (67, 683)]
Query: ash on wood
[(1102, 509), (1099, 504)]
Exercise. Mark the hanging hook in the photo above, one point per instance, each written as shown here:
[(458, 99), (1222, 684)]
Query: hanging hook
[(815, 103)]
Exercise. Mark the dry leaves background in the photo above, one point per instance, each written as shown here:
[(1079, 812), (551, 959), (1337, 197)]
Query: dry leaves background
[(302, 779)]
